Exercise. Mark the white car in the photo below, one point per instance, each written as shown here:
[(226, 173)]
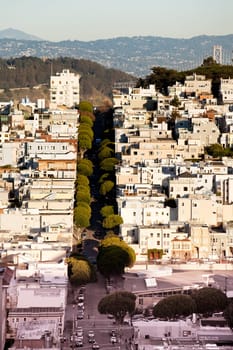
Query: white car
[(91, 333), (79, 342), (113, 339)]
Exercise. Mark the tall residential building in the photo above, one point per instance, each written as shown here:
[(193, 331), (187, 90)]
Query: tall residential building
[(64, 89)]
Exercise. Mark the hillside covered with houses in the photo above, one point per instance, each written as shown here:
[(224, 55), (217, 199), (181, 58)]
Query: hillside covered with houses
[(173, 185)]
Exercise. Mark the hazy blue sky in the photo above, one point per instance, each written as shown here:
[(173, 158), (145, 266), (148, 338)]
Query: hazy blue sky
[(87, 20)]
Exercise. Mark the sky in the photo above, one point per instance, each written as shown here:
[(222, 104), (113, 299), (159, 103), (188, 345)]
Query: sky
[(87, 20)]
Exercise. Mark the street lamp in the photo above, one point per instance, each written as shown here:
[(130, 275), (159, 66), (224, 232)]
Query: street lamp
[(225, 289)]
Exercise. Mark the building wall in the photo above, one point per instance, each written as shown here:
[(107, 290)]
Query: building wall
[(64, 89), (199, 210), (226, 90)]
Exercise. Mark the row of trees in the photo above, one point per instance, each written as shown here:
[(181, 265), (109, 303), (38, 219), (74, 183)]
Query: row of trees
[(203, 301), (82, 211), (80, 270), (113, 253), (107, 184)]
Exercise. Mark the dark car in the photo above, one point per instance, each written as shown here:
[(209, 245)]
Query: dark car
[(91, 340), (79, 342)]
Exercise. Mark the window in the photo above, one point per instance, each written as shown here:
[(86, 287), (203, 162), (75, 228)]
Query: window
[(185, 188)]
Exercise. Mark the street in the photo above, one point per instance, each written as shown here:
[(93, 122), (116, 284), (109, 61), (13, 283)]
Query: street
[(93, 320)]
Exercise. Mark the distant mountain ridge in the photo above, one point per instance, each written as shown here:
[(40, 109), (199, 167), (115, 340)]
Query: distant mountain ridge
[(133, 55), (11, 33)]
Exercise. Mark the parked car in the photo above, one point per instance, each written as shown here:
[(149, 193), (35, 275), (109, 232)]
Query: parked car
[(80, 315), (91, 339), (73, 338), (80, 298), (81, 305), (91, 333), (79, 331), (113, 339), (79, 342), (95, 346), (113, 333)]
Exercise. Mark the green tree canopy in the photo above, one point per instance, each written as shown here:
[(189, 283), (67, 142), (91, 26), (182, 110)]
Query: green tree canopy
[(112, 260), (217, 151), (105, 152), (106, 187), (84, 142), (108, 164), (175, 102), (85, 129), (174, 306), (81, 216), (105, 143), (104, 177), (86, 206), (83, 188), (83, 196), (80, 270), (85, 167), (86, 119), (107, 210), (85, 106), (112, 221), (82, 180), (114, 240), (118, 304), (209, 300)]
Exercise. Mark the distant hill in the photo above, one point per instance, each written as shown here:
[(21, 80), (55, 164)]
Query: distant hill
[(11, 33), (133, 55), (30, 76)]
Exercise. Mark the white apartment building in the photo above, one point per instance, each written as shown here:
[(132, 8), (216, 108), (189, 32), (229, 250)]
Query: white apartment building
[(138, 211), (155, 237), (182, 186), (226, 90), (195, 85), (206, 130), (10, 152), (199, 209), (44, 149), (152, 173), (177, 89), (158, 149), (64, 89)]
